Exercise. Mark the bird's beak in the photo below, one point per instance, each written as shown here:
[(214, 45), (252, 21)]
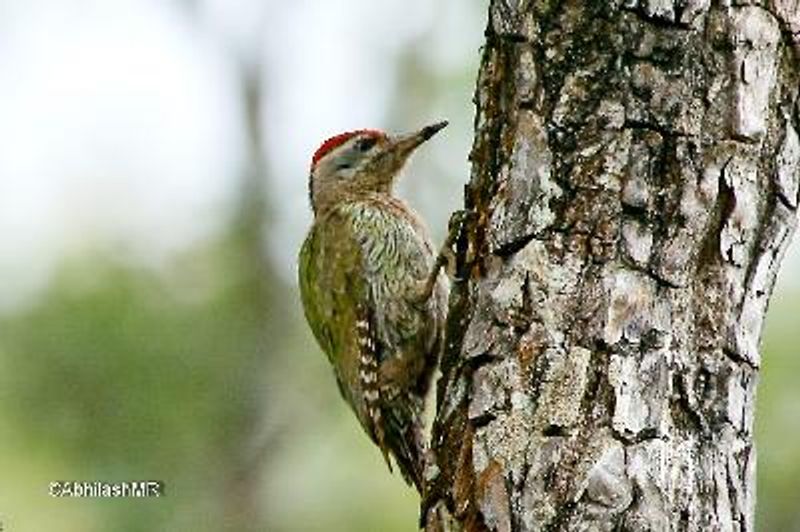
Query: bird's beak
[(405, 144)]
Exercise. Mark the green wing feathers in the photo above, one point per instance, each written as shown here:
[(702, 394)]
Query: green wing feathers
[(356, 269)]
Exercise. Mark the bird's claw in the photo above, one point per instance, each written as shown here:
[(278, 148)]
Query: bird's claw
[(422, 290)]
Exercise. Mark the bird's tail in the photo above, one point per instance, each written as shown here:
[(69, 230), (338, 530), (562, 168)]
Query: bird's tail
[(403, 436)]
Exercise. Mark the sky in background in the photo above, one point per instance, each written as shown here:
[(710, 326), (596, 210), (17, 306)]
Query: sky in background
[(122, 126), (120, 129)]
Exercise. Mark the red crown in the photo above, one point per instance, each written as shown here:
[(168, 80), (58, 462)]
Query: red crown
[(334, 142)]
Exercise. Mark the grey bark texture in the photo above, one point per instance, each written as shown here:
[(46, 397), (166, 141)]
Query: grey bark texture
[(634, 188)]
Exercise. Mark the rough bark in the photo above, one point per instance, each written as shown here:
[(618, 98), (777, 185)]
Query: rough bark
[(634, 187)]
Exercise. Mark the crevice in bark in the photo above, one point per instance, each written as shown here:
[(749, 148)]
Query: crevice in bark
[(737, 358), (628, 216), (509, 248)]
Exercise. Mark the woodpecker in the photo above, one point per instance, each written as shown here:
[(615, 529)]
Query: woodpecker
[(371, 289)]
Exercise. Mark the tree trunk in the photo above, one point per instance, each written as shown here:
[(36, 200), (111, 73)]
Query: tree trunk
[(634, 187)]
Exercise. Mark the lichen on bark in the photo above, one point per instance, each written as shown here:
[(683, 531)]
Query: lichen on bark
[(634, 186)]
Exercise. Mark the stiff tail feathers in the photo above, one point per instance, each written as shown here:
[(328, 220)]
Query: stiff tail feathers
[(394, 418), (403, 436)]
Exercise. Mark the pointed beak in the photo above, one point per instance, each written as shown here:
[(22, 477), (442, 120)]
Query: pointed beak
[(405, 144)]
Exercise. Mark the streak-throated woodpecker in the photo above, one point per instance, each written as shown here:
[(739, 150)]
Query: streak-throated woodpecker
[(371, 290)]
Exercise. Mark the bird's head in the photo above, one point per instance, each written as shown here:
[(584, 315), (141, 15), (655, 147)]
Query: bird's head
[(361, 161)]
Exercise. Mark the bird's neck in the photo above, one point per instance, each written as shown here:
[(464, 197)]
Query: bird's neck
[(328, 198)]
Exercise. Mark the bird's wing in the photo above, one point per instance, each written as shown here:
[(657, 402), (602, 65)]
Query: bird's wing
[(330, 287), (356, 267), (340, 310)]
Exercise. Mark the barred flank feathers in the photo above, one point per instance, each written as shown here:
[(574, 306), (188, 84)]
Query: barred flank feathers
[(394, 416), (368, 378)]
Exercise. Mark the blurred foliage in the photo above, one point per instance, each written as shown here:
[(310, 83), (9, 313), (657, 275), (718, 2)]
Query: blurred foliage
[(778, 417), (123, 374)]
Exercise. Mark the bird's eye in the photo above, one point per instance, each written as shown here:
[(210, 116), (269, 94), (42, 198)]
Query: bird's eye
[(365, 144)]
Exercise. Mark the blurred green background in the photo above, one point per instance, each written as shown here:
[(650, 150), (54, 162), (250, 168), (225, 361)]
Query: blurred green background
[(153, 167)]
